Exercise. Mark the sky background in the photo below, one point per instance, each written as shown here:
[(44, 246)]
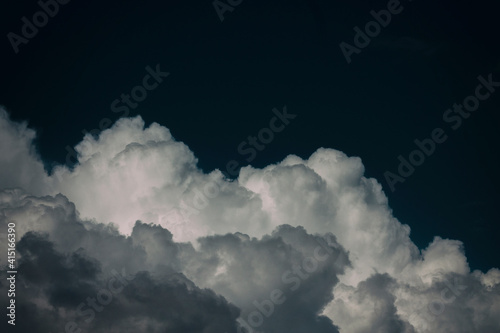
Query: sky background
[(226, 77), (131, 211)]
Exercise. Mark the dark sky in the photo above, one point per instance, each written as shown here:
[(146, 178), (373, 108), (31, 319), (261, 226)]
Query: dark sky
[(226, 77)]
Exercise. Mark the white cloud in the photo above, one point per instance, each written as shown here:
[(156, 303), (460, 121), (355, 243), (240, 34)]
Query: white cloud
[(134, 173)]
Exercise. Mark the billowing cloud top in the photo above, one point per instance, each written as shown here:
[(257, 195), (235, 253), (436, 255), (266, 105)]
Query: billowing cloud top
[(135, 237)]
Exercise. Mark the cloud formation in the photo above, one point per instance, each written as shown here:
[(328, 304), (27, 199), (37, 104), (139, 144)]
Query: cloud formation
[(166, 285), (298, 246)]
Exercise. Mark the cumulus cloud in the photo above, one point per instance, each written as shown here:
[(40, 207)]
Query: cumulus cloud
[(64, 260), (60, 287), (301, 245), (20, 165)]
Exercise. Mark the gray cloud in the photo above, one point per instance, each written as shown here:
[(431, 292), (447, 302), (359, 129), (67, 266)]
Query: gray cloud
[(301, 245), (65, 260)]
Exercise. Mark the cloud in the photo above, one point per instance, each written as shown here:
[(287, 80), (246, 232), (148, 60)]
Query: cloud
[(65, 260), (58, 287), (20, 165), (374, 300), (249, 248), (301, 268)]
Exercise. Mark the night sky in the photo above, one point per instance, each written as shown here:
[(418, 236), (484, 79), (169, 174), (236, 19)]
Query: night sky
[(226, 77)]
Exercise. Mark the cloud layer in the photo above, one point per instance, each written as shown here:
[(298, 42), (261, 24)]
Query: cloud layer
[(299, 246)]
